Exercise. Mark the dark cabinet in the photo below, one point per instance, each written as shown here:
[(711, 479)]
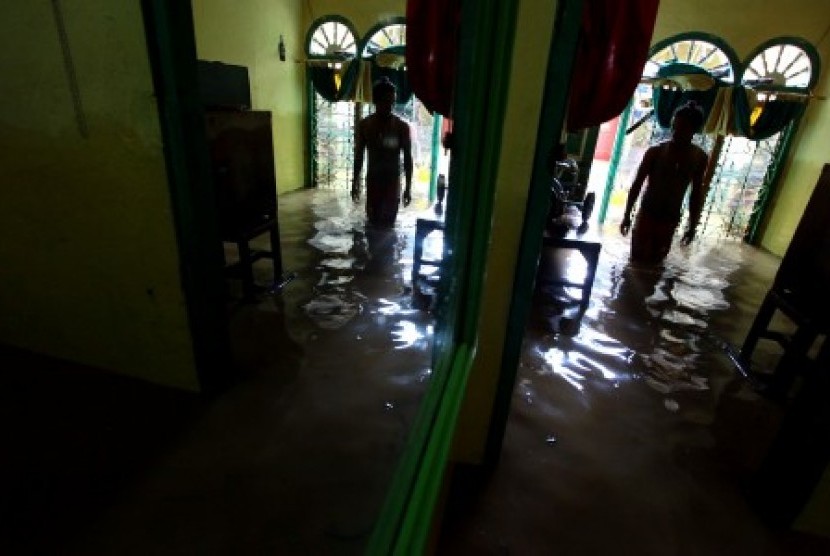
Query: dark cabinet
[(241, 151)]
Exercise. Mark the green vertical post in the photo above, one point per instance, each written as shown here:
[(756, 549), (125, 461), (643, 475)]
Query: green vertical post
[(548, 133), (774, 169), (408, 518), (433, 160), (616, 154), (171, 46)]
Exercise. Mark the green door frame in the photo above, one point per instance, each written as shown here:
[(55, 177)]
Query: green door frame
[(549, 133), (171, 46), (407, 517), (434, 155), (311, 101), (483, 78)]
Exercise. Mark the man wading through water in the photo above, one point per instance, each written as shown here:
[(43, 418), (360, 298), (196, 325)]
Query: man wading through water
[(670, 167), (384, 136)]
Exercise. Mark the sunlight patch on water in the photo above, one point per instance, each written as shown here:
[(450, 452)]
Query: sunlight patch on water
[(667, 372), (575, 367), (332, 311), (699, 298), (338, 263), (327, 279), (682, 319), (406, 334), (332, 244)]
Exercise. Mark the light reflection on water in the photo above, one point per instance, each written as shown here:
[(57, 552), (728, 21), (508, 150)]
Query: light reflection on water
[(407, 334), (591, 355), (643, 323), (363, 270)]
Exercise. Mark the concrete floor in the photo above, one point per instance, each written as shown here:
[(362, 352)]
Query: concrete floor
[(633, 437)]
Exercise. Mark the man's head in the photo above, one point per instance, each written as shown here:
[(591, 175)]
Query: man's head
[(383, 95), (687, 120)]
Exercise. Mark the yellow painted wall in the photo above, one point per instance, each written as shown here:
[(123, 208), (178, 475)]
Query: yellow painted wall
[(524, 103), (363, 14), (809, 155), (247, 32), (745, 24), (88, 256)]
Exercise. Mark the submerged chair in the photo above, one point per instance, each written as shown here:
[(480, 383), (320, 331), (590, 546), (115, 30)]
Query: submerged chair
[(801, 292)]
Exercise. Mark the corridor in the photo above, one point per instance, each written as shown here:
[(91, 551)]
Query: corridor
[(636, 436)]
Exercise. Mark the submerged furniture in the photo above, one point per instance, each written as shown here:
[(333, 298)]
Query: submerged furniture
[(800, 291), (242, 165), (554, 277), (421, 283), (792, 469)]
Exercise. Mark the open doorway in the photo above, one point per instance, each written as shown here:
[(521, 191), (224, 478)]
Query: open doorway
[(340, 358), (332, 42), (743, 170)]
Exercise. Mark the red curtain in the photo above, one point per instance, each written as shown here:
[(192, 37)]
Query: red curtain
[(612, 50), (431, 51)]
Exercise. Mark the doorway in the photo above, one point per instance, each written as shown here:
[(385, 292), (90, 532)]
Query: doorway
[(333, 42), (744, 170)]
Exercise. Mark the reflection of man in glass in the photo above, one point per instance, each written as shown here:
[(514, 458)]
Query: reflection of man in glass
[(383, 135), (670, 167)]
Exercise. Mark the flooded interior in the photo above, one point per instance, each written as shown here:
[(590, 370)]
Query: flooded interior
[(635, 435)]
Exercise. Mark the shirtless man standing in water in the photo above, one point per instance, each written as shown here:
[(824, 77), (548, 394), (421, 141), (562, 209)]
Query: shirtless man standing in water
[(670, 167), (384, 136)]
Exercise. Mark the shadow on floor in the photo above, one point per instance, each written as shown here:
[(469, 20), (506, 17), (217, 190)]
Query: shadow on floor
[(73, 439)]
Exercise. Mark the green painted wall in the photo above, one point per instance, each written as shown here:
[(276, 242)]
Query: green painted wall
[(745, 24), (524, 102), (363, 14), (88, 261), (247, 32)]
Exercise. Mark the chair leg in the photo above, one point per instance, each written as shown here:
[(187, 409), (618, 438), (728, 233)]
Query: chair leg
[(276, 251), (591, 256), (793, 362), (246, 268), (759, 326), (421, 232)]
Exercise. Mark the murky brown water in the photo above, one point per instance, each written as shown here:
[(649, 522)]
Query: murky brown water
[(635, 436), (298, 457), (627, 438)]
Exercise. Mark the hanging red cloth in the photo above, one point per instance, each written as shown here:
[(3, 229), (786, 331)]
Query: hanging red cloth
[(612, 51), (432, 51)]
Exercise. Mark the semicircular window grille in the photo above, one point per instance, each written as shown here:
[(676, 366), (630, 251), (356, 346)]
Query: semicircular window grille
[(331, 38)]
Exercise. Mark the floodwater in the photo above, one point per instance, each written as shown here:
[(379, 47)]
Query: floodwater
[(297, 458), (625, 438), (636, 435)]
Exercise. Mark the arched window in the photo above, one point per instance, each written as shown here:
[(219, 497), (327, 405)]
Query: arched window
[(330, 123), (698, 49), (331, 36), (391, 32), (782, 62), (701, 50), (744, 166)]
